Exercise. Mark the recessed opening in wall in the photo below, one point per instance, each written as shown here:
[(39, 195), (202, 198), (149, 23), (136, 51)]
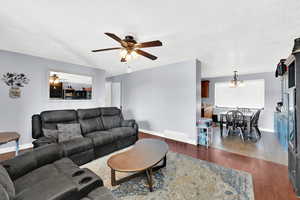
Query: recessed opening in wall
[(66, 86), (250, 95)]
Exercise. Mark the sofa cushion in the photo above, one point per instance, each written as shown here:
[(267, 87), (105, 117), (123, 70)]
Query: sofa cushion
[(90, 120), (3, 193), (77, 145), (6, 182), (123, 132), (57, 187), (91, 125), (50, 119), (66, 166), (31, 160), (68, 132), (51, 133), (111, 117), (101, 138), (34, 177)]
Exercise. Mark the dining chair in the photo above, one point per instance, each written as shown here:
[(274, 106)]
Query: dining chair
[(240, 123), (244, 110), (254, 124), (230, 121)]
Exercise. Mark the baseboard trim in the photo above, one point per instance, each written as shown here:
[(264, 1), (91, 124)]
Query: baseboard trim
[(13, 148), (267, 130), (160, 134)]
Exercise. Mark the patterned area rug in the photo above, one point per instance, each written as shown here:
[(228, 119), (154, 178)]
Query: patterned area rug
[(184, 178)]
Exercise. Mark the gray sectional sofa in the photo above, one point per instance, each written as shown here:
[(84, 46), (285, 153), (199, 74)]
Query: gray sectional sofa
[(51, 170), (104, 130)]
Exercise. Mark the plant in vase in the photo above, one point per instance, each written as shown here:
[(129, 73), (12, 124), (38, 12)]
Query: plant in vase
[(15, 81)]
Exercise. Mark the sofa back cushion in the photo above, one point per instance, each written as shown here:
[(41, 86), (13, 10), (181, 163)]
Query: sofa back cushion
[(111, 117), (31, 160), (50, 119), (7, 183), (90, 120)]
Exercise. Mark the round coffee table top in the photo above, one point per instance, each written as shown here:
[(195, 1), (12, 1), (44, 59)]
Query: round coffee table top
[(144, 154)]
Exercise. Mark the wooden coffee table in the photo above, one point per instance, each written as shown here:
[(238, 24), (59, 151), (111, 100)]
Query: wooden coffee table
[(143, 157)]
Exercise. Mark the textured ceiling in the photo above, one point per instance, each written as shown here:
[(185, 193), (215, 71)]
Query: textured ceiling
[(248, 36)]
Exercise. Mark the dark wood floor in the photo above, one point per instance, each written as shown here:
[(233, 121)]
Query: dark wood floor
[(270, 179)]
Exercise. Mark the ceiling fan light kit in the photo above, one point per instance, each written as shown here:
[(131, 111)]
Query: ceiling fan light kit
[(130, 49)]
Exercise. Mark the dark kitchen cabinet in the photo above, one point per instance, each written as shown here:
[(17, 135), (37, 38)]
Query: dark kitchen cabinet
[(205, 89)]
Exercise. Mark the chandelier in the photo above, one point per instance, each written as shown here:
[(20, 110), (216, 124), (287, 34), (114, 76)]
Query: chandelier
[(234, 83)]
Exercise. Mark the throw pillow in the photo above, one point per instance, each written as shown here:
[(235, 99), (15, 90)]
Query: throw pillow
[(51, 133), (7, 183), (68, 132)]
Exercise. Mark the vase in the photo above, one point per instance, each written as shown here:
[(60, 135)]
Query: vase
[(14, 92)]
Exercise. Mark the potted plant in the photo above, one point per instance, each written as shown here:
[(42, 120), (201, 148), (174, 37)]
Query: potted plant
[(15, 81)]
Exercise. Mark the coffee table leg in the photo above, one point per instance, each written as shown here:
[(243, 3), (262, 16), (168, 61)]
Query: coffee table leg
[(113, 177), (149, 178)]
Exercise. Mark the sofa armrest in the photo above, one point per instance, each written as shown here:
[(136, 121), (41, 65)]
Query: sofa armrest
[(42, 141), (128, 123)]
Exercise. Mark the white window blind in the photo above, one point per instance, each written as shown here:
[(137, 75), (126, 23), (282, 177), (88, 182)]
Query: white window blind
[(251, 95)]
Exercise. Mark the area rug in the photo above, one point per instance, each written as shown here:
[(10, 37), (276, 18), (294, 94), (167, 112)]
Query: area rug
[(184, 178)]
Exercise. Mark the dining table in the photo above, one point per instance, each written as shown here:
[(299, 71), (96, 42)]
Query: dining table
[(247, 118)]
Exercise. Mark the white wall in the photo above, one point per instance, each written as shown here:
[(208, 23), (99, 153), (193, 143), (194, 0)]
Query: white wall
[(163, 100), (16, 113)]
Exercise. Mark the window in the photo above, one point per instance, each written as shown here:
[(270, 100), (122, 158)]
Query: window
[(251, 95)]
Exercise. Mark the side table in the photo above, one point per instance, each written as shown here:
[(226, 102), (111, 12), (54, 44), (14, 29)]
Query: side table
[(205, 132), (6, 137)]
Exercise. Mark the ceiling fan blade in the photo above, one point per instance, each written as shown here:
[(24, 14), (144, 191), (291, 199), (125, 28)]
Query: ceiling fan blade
[(155, 43), (113, 36), (123, 60), (106, 49), (144, 53)]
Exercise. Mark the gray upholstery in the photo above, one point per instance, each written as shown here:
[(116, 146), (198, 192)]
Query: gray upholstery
[(76, 146), (105, 127), (128, 123), (101, 138), (50, 119), (122, 132), (42, 141), (111, 117), (57, 187), (6, 182), (3, 193), (51, 133), (68, 132), (29, 161), (90, 120)]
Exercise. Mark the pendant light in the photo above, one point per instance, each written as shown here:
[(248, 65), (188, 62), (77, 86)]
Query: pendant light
[(234, 83)]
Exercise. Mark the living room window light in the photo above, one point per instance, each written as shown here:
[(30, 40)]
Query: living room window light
[(251, 95)]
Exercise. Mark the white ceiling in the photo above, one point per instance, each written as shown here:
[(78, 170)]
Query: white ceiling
[(249, 36)]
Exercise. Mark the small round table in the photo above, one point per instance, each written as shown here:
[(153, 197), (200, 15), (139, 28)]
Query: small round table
[(6, 137)]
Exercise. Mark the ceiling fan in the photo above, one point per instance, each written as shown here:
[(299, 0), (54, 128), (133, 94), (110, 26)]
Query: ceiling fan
[(130, 48)]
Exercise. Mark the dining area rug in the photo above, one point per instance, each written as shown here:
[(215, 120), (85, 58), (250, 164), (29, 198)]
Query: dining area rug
[(184, 178)]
